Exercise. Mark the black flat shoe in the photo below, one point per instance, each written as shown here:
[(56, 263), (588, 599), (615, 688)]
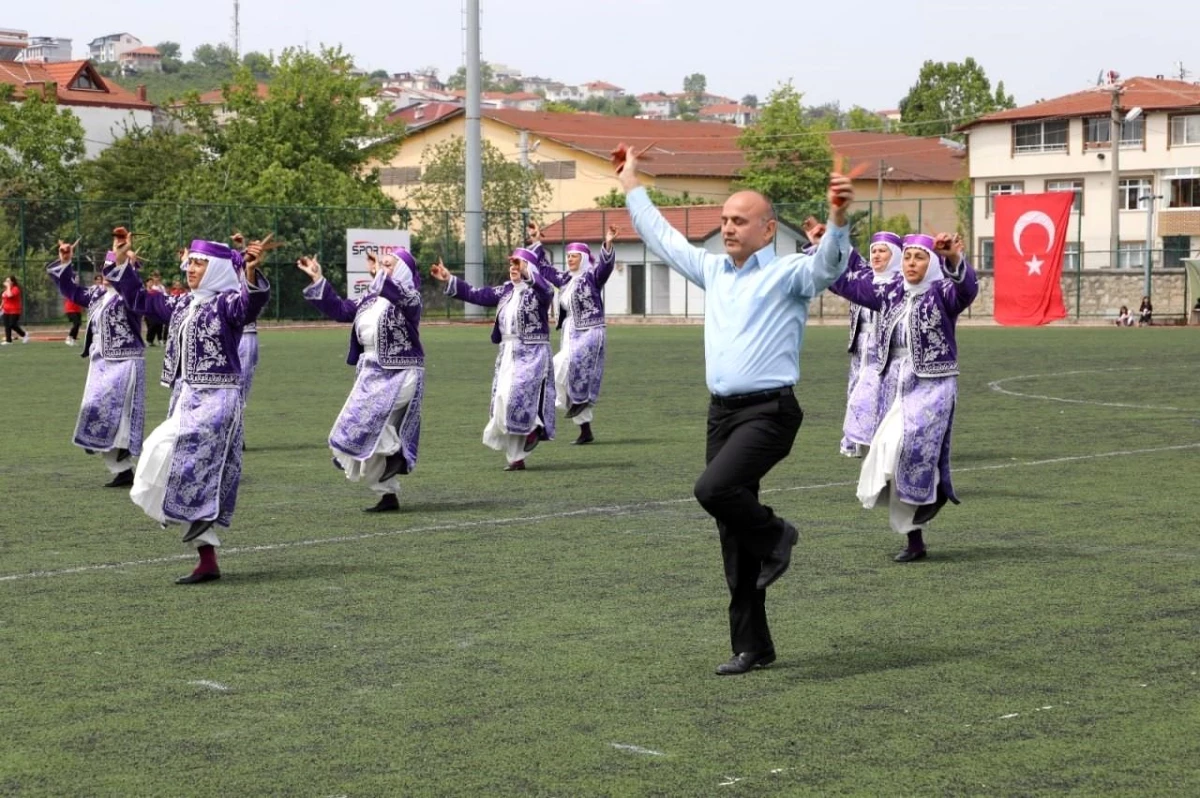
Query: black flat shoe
[(531, 441), (122, 480), (195, 579), (781, 557), (388, 502), (745, 662), (396, 465), (910, 555), (196, 529)]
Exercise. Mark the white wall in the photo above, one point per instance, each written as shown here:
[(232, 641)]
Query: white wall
[(101, 126)]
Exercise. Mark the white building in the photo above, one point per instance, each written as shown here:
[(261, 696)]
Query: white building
[(12, 44), (104, 109), (47, 49), (110, 48), (599, 88), (641, 284), (1065, 144), (730, 113), (657, 105), (561, 93)]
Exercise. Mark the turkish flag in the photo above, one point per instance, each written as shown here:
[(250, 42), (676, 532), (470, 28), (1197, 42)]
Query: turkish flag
[(1031, 234)]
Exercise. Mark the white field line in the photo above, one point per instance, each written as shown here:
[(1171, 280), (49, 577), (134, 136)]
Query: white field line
[(997, 386), (636, 749), (531, 519)]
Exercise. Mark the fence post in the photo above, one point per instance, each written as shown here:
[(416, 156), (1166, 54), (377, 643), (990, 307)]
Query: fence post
[(1078, 267), (920, 214)]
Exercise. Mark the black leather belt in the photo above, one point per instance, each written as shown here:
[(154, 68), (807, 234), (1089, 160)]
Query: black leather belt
[(741, 400)]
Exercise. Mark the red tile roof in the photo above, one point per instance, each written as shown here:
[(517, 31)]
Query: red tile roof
[(656, 97), (911, 158), (35, 75), (1150, 94), (420, 115), (710, 149), (697, 222), (602, 86)]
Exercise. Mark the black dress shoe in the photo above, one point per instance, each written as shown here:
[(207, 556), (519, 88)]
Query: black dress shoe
[(123, 455), (531, 441), (745, 662), (396, 465), (910, 555), (122, 480), (195, 578), (576, 409), (517, 466), (388, 502), (780, 558), (585, 435), (196, 529)]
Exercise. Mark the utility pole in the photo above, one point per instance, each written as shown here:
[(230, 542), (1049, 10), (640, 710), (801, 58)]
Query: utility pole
[(523, 152), (1149, 199), (1115, 134), (882, 171), (474, 178)]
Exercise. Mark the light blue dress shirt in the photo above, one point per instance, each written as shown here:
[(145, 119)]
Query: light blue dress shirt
[(754, 316)]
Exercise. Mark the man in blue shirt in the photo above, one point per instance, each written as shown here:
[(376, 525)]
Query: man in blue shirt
[(755, 309)]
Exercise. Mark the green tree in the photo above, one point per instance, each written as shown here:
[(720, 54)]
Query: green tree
[(859, 118), (380, 74), (487, 77), (307, 147), (260, 65), (947, 95), (695, 84), (508, 191), (625, 105), (168, 50), (41, 147), (616, 199), (555, 107), (827, 116), (750, 100), (206, 55), (787, 157)]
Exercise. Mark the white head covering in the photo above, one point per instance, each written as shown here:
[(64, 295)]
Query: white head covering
[(934, 273), (220, 276), (895, 245)]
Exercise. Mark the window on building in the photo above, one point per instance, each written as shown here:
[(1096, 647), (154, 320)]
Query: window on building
[(400, 175), (1185, 130), (1131, 191), (1182, 189), (84, 82), (999, 189), (1071, 256), (1045, 136), (557, 170), (987, 253), (1069, 185), (1131, 255), (1097, 133), (1175, 249)]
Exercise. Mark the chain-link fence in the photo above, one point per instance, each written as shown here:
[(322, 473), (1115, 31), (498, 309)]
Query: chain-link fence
[(1096, 281)]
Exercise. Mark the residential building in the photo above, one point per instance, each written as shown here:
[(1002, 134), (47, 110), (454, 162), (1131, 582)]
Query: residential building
[(104, 109), (700, 158), (602, 90), (703, 99), (47, 50), (1065, 144), (421, 80), (216, 99), (140, 60), (641, 284), (561, 93), (535, 85), (12, 44), (658, 105), (730, 113), (109, 49)]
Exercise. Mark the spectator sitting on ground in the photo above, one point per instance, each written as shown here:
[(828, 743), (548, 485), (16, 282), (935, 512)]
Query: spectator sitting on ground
[(1145, 311), (1123, 318)]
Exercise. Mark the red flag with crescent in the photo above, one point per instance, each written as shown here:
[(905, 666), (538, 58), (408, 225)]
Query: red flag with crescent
[(1031, 235)]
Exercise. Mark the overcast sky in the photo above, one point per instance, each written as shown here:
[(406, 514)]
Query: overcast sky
[(859, 53)]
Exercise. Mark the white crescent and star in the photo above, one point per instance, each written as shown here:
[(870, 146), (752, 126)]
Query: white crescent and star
[(1027, 219)]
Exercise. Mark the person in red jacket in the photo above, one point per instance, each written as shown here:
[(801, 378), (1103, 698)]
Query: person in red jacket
[(11, 309), (75, 316)]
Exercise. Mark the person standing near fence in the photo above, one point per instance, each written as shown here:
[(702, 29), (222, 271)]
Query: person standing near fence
[(154, 330), (579, 364), (522, 408), (376, 436), (755, 310), (862, 391), (113, 411), (192, 465), (11, 303), (908, 465)]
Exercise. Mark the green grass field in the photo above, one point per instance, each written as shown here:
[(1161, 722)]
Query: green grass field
[(554, 632)]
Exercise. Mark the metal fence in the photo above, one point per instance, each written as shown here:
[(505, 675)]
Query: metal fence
[(30, 230)]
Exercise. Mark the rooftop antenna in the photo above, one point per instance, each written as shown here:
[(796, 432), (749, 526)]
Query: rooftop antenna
[(237, 30)]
